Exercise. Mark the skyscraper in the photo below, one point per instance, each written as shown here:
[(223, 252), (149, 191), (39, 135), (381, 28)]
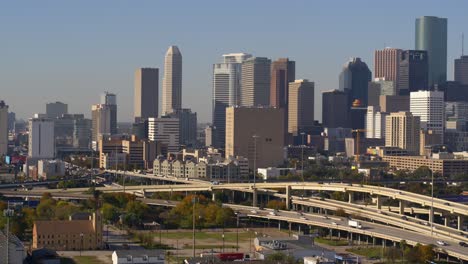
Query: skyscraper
[(402, 130), (256, 133), (165, 130), (394, 103), (226, 92), (101, 120), (335, 108), (375, 122), (187, 126), (414, 72), (172, 81), (430, 107), (355, 78), (56, 110), (431, 35), (3, 128), (255, 84), (387, 63), (41, 138), (461, 70), (110, 100), (146, 93), (301, 106), (283, 72)]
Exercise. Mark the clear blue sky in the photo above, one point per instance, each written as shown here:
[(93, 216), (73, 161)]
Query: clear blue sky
[(71, 51)]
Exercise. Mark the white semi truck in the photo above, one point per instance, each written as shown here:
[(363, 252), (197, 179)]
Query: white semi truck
[(354, 223)]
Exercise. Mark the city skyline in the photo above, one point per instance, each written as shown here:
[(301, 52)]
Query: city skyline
[(109, 65)]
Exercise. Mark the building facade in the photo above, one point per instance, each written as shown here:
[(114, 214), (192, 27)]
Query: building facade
[(446, 167), (56, 110), (3, 128), (430, 107), (300, 106), (402, 131), (387, 63), (354, 78), (255, 83), (165, 130), (414, 71), (394, 103), (461, 70), (146, 90), (375, 122), (255, 133), (431, 35), (335, 107), (101, 120), (41, 138), (110, 100), (283, 72), (172, 81), (187, 126)]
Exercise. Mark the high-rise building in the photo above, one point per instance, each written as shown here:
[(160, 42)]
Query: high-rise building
[(431, 35), (387, 63), (110, 100), (335, 108), (414, 72), (301, 106), (375, 122), (394, 103), (56, 110), (187, 126), (226, 91), (146, 91), (3, 128), (172, 81), (283, 72), (379, 87), (41, 138), (402, 130), (461, 70), (355, 78), (165, 130), (101, 120), (457, 112), (82, 133), (11, 121), (429, 106), (256, 133), (255, 84)]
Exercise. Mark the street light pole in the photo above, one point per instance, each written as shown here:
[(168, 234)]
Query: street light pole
[(432, 203), (302, 163), (81, 248), (255, 160), (194, 199), (8, 213)]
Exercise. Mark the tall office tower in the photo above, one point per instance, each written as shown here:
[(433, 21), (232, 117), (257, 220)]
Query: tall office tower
[(56, 110), (187, 126), (146, 91), (335, 108), (300, 107), (283, 72), (101, 120), (41, 138), (394, 103), (414, 72), (165, 130), (110, 100), (226, 92), (402, 130), (82, 133), (3, 128), (256, 133), (355, 78), (11, 121), (387, 63), (375, 122), (255, 84), (431, 35), (429, 106), (461, 70), (172, 81)]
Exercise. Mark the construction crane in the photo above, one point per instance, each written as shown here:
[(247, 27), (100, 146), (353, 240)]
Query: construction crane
[(358, 136)]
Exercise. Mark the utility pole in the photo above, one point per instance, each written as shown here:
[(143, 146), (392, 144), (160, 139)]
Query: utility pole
[(194, 200), (432, 203), (302, 164), (8, 213), (255, 160)]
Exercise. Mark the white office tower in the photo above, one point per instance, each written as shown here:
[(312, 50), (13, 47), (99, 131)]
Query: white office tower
[(403, 131), (375, 122), (3, 128), (172, 81), (41, 138), (226, 91), (101, 120), (430, 107), (166, 131)]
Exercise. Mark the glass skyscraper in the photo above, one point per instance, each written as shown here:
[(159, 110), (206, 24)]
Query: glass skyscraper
[(431, 35)]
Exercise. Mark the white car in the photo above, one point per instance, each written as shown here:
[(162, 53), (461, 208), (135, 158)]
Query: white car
[(442, 243), (253, 212), (334, 223), (303, 218)]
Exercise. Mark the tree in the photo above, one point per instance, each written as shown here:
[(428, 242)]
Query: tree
[(392, 254), (276, 204), (280, 258), (109, 213), (426, 252)]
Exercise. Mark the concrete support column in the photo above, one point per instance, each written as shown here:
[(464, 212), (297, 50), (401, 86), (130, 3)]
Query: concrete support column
[(459, 222), (379, 202), (402, 207), (279, 226), (213, 197), (350, 197), (431, 215), (373, 241), (254, 198), (288, 197), (446, 220)]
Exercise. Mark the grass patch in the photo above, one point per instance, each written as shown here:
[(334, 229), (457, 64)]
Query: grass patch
[(228, 236), (87, 260), (331, 242), (209, 247), (370, 252)]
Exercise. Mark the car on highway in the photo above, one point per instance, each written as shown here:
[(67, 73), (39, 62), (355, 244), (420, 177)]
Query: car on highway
[(463, 244), (404, 217), (273, 213), (303, 218), (441, 243), (334, 223), (253, 212)]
